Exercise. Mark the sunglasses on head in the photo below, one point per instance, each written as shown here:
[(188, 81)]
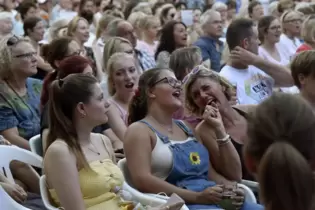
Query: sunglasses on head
[(12, 40)]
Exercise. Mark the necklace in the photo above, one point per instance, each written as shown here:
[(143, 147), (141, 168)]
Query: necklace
[(94, 149), (169, 128)]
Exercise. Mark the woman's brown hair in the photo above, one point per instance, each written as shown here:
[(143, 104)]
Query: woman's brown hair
[(282, 141), (65, 94)]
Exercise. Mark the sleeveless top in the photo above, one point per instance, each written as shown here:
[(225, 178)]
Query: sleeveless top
[(122, 112)]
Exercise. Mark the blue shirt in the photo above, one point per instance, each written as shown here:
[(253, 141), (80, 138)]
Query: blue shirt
[(209, 50)]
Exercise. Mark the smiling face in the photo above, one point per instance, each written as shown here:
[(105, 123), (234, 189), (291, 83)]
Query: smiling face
[(124, 75), (167, 91), (82, 31), (204, 89)]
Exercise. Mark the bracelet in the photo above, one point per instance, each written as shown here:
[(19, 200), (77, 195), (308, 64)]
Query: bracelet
[(220, 144), (226, 138)]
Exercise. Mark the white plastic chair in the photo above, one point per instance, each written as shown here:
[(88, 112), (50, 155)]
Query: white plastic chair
[(10, 153), (144, 198), (254, 186), (7, 203), (44, 193), (249, 195), (36, 145)]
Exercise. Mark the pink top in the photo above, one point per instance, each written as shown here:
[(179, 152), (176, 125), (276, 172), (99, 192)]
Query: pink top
[(150, 49), (192, 120), (122, 112)]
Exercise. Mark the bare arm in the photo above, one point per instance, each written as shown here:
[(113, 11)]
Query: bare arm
[(225, 158), (281, 74), (139, 164), (216, 177), (116, 123), (12, 135), (43, 65), (98, 60), (62, 175), (116, 142)]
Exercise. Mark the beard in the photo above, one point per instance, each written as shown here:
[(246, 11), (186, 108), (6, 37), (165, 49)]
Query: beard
[(88, 15)]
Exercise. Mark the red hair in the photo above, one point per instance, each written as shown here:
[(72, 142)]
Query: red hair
[(70, 65)]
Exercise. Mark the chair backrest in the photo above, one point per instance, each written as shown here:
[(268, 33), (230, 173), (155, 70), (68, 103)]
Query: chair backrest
[(249, 195), (8, 203), (36, 145), (44, 193), (10, 153), (122, 164)]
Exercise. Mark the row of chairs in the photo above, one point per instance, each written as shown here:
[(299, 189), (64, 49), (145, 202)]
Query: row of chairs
[(9, 153)]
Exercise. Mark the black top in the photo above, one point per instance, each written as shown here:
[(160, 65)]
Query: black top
[(44, 123), (239, 149), (40, 74)]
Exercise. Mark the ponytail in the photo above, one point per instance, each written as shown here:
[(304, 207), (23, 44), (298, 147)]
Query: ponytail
[(50, 77), (138, 107), (283, 166), (61, 108)]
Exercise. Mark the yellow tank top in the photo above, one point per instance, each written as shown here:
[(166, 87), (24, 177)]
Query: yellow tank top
[(96, 186)]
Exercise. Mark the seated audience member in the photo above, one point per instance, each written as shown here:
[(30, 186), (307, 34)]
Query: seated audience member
[(122, 83), (208, 91), (253, 77), (308, 34), (20, 94), (269, 31), (150, 28), (280, 152), (73, 65), (76, 106), (34, 31), (210, 45), (168, 158), (302, 68), (255, 11), (25, 190), (6, 24), (56, 30), (173, 36), (122, 28), (291, 22), (113, 45)]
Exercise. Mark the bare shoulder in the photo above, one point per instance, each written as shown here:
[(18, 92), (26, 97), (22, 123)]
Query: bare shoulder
[(138, 130)]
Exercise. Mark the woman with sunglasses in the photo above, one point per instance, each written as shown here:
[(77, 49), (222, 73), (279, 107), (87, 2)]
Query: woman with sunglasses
[(168, 157), (19, 94), (208, 96)]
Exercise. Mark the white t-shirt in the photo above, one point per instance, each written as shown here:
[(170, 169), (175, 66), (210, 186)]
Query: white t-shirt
[(253, 85), (289, 46)]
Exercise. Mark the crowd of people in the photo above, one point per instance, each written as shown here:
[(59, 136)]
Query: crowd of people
[(196, 95)]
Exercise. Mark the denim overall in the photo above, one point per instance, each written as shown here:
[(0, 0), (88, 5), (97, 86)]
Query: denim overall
[(191, 166)]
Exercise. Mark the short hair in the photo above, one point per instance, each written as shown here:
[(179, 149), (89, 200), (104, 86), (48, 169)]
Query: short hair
[(251, 6), (30, 23), (238, 30), (231, 4), (184, 58), (306, 9), (112, 28), (218, 5), (303, 63), (308, 30), (25, 6), (205, 17)]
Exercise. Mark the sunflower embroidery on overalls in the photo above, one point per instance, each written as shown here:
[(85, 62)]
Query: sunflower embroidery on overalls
[(194, 158)]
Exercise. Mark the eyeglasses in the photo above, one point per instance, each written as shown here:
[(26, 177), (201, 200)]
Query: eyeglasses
[(174, 83), (12, 40), (26, 55)]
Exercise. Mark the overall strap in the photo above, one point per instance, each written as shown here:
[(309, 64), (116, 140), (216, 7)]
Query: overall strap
[(184, 127), (164, 138)]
